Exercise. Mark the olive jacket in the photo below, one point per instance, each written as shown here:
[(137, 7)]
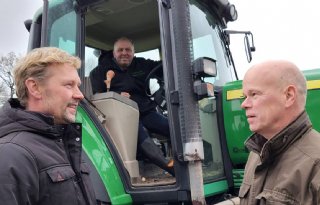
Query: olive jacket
[(285, 169)]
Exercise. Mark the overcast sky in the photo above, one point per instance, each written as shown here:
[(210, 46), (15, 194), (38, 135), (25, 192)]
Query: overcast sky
[(13, 34), (282, 29)]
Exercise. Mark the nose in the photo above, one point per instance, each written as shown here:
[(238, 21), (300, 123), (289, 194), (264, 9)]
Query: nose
[(78, 94), (245, 103), (124, 52)]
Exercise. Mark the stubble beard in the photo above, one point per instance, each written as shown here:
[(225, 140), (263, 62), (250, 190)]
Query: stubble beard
[(68, 117)]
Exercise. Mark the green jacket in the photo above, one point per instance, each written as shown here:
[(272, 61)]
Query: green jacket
[(285, 169)]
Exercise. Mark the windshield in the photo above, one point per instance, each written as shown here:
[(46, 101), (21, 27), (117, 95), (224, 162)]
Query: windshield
[(62, 25), (207, 42)]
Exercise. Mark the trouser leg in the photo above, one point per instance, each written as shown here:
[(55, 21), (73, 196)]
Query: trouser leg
[(156, 123), (155, 155)]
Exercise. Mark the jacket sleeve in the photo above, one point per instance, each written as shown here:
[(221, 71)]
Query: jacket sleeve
[(98, 74), (19, 179), (315, 188), (97, 77)]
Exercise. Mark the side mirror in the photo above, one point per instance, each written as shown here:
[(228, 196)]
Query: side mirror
[(248, 47), (248, 42)]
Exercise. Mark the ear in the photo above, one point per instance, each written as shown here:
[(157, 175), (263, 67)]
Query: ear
[(291, 95), (34, 90)]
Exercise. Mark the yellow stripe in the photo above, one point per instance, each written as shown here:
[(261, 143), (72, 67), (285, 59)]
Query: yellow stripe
[(234, 94), (238, 94), (313, 84)]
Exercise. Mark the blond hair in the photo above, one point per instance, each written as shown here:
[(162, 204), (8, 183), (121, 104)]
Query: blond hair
[(35, 64)]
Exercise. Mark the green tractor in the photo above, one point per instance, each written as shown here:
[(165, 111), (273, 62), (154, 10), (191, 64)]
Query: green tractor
[(202, 94)]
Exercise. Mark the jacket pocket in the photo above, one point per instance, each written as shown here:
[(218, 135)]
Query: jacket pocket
[(272, 197), (84, 169), (59, 186), (60, 174)]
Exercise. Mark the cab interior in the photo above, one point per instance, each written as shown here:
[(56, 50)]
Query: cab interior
[(104, 23), (135, 19)]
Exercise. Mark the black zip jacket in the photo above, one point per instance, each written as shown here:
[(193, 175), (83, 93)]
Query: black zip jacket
[(41, 162), (132, 80)]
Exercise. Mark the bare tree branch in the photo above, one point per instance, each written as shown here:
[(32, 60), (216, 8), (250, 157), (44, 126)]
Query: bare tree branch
[(3, 94), (6, 76)]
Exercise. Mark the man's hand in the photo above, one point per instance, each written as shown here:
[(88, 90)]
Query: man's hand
[(125, 94), (109, 75)]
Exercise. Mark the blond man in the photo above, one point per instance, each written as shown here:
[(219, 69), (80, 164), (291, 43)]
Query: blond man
[(40, 143)]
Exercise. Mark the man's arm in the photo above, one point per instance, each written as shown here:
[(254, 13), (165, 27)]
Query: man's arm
[(98, 74), (97, 78), (315, 188), (19, 178)]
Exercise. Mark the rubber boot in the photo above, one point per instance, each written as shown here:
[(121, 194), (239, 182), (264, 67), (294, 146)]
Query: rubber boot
[(155, 155)]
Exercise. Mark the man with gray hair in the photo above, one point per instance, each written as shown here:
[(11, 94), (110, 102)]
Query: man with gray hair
[(284, 161), (129, 75), (40, 143)]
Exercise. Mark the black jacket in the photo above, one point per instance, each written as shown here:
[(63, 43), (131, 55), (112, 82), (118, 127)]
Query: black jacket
[(40, 162), (131, 80)]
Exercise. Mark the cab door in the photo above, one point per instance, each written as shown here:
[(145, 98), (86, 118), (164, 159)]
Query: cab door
[(191, 30)]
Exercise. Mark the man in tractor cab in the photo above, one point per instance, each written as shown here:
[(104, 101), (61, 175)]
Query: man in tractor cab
[(126, 74), (284, 161)]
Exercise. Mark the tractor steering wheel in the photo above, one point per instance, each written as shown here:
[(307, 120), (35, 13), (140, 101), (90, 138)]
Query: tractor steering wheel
[(159, 96)]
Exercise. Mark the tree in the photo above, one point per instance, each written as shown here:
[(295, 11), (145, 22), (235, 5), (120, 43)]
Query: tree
[(3, 94), (6, 76)]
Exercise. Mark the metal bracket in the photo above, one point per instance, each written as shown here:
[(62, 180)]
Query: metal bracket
[(166, 4), (174, 97)]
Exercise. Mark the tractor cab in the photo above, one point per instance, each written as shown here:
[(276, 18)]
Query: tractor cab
[(189, 38)]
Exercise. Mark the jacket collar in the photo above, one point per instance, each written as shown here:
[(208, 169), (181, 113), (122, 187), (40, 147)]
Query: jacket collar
[(65, 130), (269, 149)]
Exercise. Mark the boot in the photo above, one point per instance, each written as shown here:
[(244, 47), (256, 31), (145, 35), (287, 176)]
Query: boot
[(155, 155)]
